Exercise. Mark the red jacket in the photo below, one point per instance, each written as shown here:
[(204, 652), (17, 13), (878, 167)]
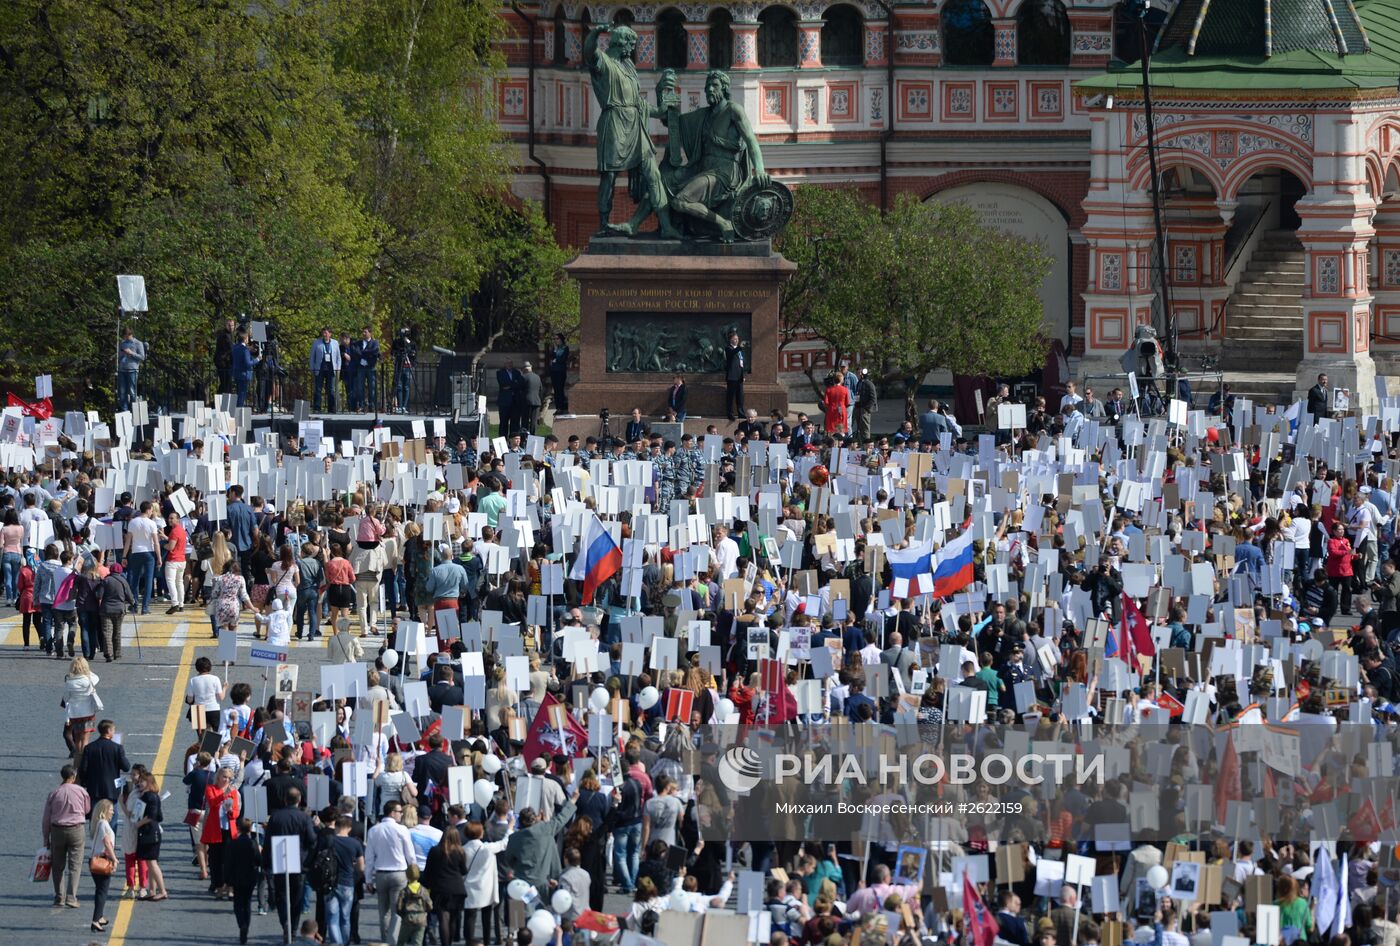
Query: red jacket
[(213, 798), (26, 590), (1339, 557)]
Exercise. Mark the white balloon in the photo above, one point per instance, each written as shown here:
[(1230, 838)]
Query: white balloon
[(541, 925), (517, 889), (391, 659), (561, 901), (648, 697), (484, 791), (1157, 877), (599, 699), (490, 764), (724, 710)]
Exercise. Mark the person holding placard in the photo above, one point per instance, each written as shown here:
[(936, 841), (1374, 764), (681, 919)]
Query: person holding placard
[(131, 354)]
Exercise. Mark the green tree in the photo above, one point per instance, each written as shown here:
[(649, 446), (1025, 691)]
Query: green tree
[(525, 291), (305, 161), (924, 287)]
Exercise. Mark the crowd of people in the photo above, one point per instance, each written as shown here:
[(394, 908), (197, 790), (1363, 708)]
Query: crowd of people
[(542, 655)]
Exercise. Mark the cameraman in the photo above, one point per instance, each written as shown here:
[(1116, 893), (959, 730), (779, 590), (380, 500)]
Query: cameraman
[(405, 354)]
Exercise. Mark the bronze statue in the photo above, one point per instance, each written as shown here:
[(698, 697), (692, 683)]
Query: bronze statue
[(724, 157), (624, 144)]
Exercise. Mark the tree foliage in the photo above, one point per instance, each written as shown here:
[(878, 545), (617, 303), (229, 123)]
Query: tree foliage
[(923, 287), (304, 161)]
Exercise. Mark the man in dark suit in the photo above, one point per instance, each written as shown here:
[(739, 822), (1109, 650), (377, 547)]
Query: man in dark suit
[(636, 427), (102, 761), (734, 377), (1010, 925), (431, 766), (531, 399), (288, 821), (1318, 400), (283, 784), (507, 403), (446, 689), (366, 364), (675, 397)]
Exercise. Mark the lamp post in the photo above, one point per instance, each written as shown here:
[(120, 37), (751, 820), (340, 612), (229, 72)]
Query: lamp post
[(131, 298), (1141, 8)]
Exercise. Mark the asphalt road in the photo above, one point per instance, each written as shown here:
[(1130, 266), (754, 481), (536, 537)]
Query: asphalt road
[(144, 694)]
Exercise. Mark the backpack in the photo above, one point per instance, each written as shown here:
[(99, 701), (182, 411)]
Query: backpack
[(476, 574), (412, 908), (325, 868)]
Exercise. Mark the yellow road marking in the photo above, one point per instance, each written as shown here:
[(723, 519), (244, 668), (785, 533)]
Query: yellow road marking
[(174, 717)]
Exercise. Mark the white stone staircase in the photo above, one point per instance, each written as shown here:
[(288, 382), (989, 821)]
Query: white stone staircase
[(1264, 321)]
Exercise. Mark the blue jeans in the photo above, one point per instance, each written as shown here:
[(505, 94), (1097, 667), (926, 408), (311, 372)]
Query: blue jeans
[(306, 607), (142, 566), (403, 387), (46, 627), (126, 389), (392, 595), (90, 631), (10, 565), (627, 844), (338, 906)]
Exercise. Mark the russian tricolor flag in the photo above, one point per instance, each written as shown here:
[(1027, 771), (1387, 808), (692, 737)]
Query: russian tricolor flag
[(954, 571), (912, 568), (599, 558)]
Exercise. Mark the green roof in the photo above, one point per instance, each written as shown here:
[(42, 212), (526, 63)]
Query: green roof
[(1316, 45)]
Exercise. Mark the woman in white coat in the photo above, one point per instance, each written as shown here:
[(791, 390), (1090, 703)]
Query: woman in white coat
[(81, 703), (482, 881)]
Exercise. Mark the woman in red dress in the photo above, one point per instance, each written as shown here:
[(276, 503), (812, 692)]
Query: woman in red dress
[(834, 403)]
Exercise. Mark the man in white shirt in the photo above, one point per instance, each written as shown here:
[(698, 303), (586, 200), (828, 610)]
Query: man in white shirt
[(726, 553), (388, 852), (1071, 396), (143, 535)]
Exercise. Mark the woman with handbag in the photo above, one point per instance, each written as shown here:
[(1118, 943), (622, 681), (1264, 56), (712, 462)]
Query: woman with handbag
[(103, 862), (82, 704)]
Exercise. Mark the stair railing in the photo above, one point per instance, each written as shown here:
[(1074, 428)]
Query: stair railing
[(1245, 232)]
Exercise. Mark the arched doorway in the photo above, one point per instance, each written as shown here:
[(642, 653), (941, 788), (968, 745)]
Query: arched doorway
[(1043, 33), (1266, 271), (1024, 213), (560, 57), (968, 35), (777, 38), (670, 39), (843, 36), (721, 38)]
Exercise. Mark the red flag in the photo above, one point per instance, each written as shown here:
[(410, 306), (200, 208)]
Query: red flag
[(1227, 784), (596, 922), (554, 731), (1387, 818), (770, 675), (40, 410), (1364, 826), (980, 922), (1136, 635), (1171, 704)]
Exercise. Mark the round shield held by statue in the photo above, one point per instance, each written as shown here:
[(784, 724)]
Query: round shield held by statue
[(760, 212)]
